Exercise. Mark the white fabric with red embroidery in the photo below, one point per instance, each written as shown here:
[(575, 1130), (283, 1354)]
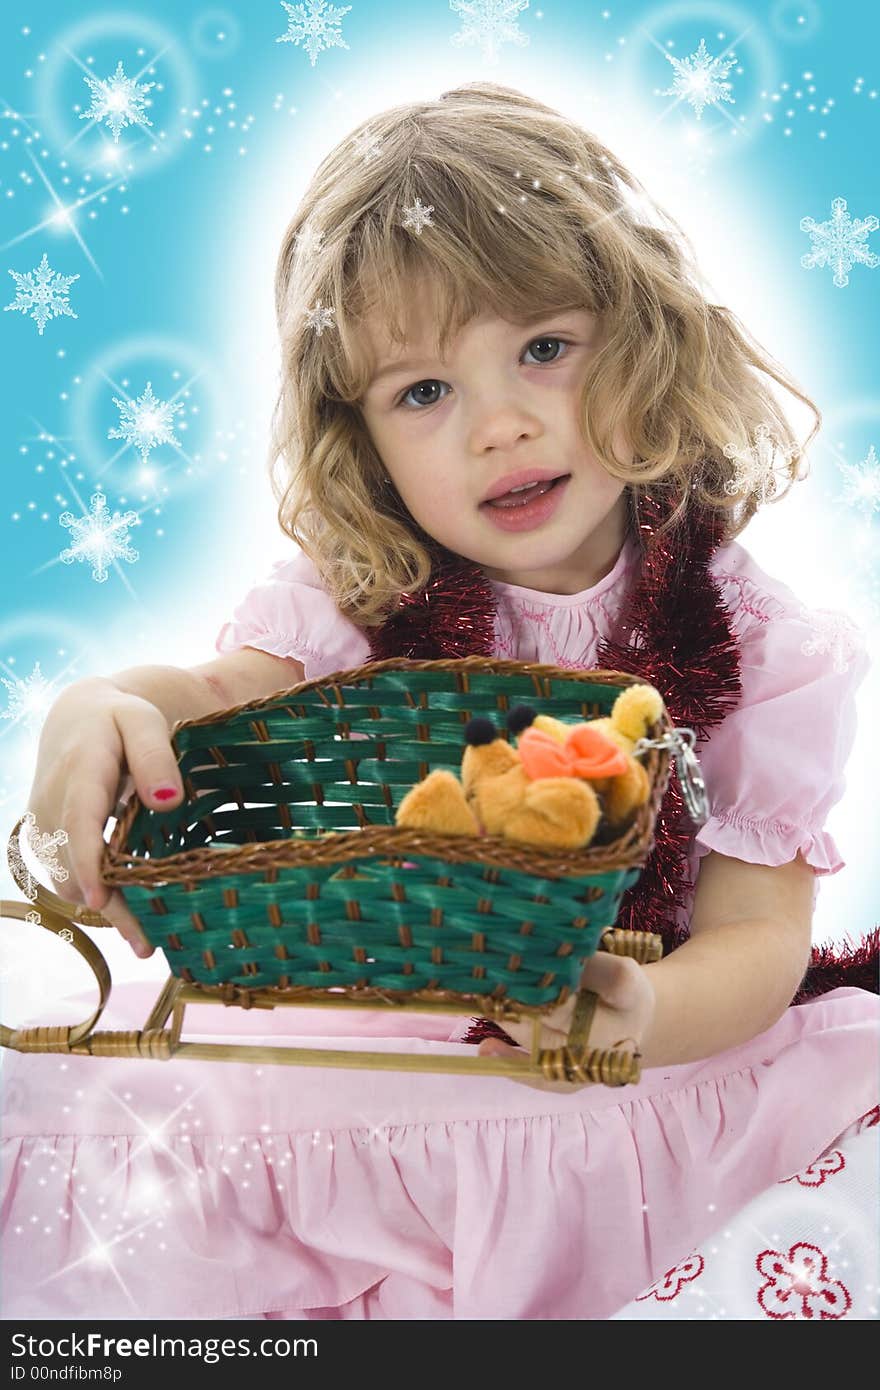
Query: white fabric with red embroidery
[(802, 1250)]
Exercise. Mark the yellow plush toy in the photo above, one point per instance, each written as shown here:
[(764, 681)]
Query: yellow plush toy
[(553, 789)]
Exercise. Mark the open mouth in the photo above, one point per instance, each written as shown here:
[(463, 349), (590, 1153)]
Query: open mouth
[(523, 496)]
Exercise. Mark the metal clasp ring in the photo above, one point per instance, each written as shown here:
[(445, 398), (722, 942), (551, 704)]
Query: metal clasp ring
[(681, 741)]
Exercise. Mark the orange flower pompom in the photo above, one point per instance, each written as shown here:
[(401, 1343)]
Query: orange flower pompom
[(594, 753), (586, 753), (543, 756)]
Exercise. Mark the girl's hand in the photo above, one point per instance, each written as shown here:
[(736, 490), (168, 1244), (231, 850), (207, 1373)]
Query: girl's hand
[(93, 736), (624, 1013)]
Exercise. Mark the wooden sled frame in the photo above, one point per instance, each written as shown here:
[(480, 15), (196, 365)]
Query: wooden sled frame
[(575, 1062)]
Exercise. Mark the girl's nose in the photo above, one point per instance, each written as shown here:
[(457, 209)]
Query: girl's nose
[(502, 428)]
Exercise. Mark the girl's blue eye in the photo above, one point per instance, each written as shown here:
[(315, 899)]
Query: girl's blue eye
[(432, 381)]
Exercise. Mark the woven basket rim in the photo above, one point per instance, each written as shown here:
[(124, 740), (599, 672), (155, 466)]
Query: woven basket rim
[(354, 674), (189, 867)]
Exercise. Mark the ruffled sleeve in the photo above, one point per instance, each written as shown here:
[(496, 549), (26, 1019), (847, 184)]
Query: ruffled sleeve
[(775, 767), (291, 614)]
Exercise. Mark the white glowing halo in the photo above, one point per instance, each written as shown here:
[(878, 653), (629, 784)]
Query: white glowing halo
[(50, 628), (59, 127), (93, 446), (203, 44), (743, 33), (784, 19)]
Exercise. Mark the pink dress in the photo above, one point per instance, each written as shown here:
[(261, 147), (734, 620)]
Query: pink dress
[(202, 1190)]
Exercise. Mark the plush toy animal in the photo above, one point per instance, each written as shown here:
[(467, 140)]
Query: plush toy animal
[(553, 789)]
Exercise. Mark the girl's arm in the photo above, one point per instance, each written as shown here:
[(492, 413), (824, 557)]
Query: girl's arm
[(748, 951), (191, 692)]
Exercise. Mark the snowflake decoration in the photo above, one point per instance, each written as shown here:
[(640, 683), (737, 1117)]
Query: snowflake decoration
[(418, 216), (99, 538), (308, 241), (316, 25), (66, 934), (862, 483), (840, 242), (28, 700), (834, 633), (42, 293), (489, 23), (700, 79), (45, 849), (320, 317), (146, 422), (756, 466), (118, 100), (367, 145)]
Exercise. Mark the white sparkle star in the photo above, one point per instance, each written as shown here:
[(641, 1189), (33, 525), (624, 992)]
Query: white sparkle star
[(839, 242), (117, 100), (418, 216), (315, 24), (756, 467), (146, 422), (862, 483), (42, 294), (99, 538), (320, 317), (308, 241), (368, 146), (489, 23), (28, 700), (699, 79)]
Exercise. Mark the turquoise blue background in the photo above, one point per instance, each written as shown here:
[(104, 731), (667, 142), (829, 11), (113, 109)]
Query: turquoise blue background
[(175, 256)]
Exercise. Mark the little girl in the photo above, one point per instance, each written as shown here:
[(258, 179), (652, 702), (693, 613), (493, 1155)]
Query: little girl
[(509, 422)]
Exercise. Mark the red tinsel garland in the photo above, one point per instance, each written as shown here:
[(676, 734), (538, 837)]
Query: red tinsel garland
[(673, 632), (452, 617)]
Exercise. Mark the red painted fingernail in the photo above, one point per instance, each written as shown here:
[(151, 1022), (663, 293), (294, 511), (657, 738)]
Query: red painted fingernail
[(164, 793)]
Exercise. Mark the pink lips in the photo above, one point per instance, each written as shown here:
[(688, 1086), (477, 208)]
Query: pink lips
[(528, 515), (520, 479)]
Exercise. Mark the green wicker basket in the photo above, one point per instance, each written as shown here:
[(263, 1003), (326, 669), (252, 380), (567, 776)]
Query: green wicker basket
[(282, 869), (282, 878)]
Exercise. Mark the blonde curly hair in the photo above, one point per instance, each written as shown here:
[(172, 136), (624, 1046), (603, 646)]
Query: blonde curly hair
[(522, 196)]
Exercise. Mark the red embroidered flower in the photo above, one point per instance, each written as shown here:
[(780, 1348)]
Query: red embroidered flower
[(815, 1173), (798, 1285), (669, 1286)]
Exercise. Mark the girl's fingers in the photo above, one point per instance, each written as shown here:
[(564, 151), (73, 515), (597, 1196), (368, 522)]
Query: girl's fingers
[(126, 924), (123, 792), (616, 980), (148, 753), (85, 851), (84, 823), (494, 1047)]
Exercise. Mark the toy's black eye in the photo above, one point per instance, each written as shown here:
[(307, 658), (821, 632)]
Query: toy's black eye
[(478, 731), (520, 717)]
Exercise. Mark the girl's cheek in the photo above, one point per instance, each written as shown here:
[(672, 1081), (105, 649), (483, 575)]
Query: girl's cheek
[(421, 422)]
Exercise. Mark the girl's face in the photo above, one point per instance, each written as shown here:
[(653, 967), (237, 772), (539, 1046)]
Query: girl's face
[(504, 401)]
